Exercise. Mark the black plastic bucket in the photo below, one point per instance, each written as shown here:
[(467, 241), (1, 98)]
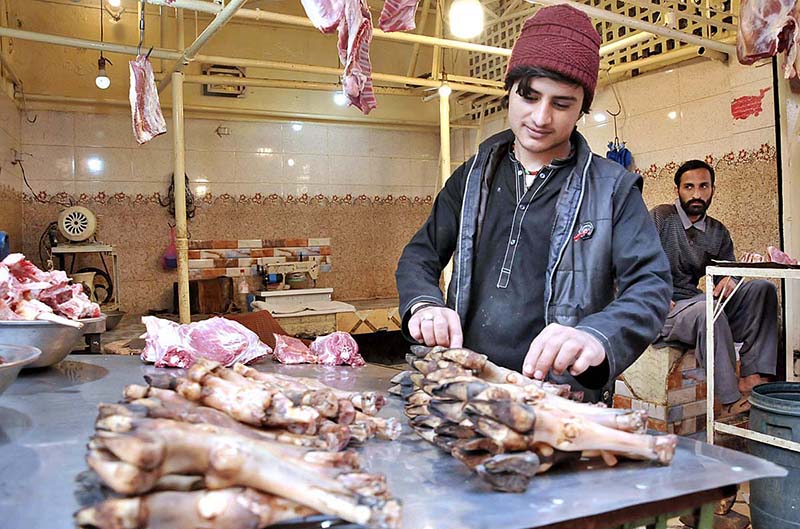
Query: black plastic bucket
[(775, 502)]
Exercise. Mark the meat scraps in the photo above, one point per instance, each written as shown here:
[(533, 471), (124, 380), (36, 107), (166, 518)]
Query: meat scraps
[(335, 349), (289, 350), (767, 27), (170, 344), (27, 293), (774, 255), (148, 121)]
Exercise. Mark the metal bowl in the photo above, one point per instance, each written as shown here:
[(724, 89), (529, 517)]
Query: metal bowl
[(14, 358), (55, 341)]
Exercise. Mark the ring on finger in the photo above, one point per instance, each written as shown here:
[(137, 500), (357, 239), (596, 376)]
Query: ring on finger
[(427, 317)]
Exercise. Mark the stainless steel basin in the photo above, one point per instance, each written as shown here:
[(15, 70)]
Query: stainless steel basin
[(12, 359), (55, 341)]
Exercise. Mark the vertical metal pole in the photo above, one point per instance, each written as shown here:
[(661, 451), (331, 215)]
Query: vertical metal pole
[(709, 358), (179, 185), (445, 169), (444, 137), (412, 64), (436, 66), (180, 32), (789, 125)]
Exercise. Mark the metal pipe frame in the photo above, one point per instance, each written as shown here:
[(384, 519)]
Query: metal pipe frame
[(292, 20), (254, 63), (288, 83), (602, 14), (222, 18), (179, 186), (712, 425)]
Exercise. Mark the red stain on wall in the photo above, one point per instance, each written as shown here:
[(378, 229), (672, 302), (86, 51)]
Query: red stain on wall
[(746, 106)]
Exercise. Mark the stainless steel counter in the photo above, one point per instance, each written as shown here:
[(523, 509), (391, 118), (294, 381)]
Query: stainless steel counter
[(47, 416)]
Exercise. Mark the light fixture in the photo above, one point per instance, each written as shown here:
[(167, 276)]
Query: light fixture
[(445, 90), (466, 18), (600, 117), (114, 9), (297, 127), (102, 80), (672, 114), (340, 99)]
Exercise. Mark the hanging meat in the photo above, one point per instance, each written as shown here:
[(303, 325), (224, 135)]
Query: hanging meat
[(767, 27), (354, 21), (398, 15), (507, 427), (148, 121), (355, 35)]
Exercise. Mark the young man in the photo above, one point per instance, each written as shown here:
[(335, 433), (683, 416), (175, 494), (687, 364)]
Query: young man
[(692, 240), (558, 272)]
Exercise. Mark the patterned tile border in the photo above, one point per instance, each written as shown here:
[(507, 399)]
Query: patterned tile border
[(765, 153), (209, 199)]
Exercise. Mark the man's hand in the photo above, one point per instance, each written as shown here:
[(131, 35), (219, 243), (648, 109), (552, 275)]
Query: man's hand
[(724, 287), (436, 326), (559, 347)]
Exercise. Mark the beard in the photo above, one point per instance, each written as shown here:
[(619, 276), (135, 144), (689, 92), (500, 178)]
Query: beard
[(696, 206)]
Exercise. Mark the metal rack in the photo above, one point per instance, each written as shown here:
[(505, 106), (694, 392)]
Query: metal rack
[(101, 249), (713, 426)]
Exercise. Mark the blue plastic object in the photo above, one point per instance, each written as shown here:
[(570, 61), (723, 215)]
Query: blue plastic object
[(617, 152), (4, 245)]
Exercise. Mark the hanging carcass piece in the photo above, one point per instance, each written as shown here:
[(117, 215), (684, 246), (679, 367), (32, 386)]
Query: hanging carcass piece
[(354, 21), (398, 15), (767, 27), (148, 121), (231, 508), (131, 454), (355, 35)]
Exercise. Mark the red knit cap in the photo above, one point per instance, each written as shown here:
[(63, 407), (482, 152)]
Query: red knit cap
[(561, 39)]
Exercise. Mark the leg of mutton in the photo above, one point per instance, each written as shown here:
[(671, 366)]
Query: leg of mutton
[(232, 508), (572, 433), (388, 429), (169, 447)]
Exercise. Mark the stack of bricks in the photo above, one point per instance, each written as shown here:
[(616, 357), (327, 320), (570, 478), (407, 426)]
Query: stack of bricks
[(670, 385), (227, 258)]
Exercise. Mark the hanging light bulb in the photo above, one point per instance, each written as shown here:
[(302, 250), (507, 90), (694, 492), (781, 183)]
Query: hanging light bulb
[(466, 18), (445, 90), (340, 99), (114, 3), (102, 80)]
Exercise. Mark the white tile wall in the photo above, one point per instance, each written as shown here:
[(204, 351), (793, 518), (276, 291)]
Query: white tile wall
[(96, 152), (685, 112)]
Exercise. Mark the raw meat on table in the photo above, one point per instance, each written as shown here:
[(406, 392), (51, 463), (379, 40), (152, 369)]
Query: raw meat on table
[(289, 350), (148, 121), (170, 344), (28, 293), (336, 349)]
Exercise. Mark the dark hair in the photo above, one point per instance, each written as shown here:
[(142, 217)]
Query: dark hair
[(524, 74), (691, 165)]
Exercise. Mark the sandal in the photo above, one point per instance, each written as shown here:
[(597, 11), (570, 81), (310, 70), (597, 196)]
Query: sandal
[(735, 408)]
